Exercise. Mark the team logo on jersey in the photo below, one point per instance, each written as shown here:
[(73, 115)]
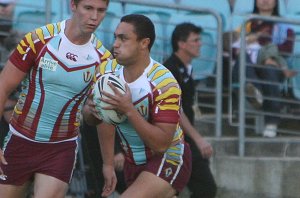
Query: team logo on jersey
[(143, 110), (87, 76), (48, 64), (71, 56), (168, 172)]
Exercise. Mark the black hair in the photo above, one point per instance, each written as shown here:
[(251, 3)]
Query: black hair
[(182, 32), (144, 28)]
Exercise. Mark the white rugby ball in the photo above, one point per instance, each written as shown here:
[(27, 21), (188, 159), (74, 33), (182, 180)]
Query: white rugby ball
[(109, 116)]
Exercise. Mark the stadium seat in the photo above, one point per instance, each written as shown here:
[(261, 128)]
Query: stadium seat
[(29, 20), (30, 14), (295, 81), (295, 65), (220, 6), (116, 7), (293, 7)]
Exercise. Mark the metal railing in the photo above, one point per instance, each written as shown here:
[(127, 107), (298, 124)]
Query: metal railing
[(245, 110)]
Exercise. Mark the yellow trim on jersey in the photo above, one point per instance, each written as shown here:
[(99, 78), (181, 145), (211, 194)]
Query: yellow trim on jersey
[(17, 111), (154, 67), (178, 138), (102, 67), (77, 124), (114, 64), (20, 49), (169, 107), (171, 91), (23, 43), (172, 162), (50, 28), (40, 34), (165, 82), (172, 100), (99, 44), (58, 26), (160, 73), (106, 55), (30, 41)]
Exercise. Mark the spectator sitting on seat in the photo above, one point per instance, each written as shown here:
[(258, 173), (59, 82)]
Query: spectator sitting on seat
[(274, 42)]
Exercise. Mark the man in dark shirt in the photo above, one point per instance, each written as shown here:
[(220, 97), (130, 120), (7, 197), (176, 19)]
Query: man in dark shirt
[(186, 46)]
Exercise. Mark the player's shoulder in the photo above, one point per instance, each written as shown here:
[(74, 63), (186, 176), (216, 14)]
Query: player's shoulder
[(45, 32), (163, 80), (102, 50), (159, 72), (109, 66), (38, 36)]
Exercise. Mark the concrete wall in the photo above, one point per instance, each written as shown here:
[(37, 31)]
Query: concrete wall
[(270, 174)]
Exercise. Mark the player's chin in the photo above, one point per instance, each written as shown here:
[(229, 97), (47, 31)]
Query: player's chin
[(119, 60), (91, 29)]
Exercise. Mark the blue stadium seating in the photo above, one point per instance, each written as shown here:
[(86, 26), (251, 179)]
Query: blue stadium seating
[(116, 7), (293, 12), (220, 6), (27, 21), (295, 65), (30, 14), (293, 7)]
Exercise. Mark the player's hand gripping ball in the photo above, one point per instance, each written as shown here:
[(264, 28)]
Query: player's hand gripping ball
[(109, 116)]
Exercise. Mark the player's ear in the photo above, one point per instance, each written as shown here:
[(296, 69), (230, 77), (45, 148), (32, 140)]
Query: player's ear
[(181, 44), (73, 5), (145, 43)]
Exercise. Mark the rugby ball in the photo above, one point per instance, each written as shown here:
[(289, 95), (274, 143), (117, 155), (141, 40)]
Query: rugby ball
[(109, 116)]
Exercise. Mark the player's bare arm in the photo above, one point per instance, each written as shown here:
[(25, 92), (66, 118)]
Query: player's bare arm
[(106, 138), (158, 136), (7, 85)]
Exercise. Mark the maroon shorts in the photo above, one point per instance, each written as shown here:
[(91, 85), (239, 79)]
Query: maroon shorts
[(25, 158), (177, 175)]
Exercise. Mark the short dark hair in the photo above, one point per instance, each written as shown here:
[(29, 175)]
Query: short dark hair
[(77, 1), (144, 28), (182, 32)]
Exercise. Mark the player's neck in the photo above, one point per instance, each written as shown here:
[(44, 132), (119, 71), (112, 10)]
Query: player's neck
[(74, 34), (135, 70)]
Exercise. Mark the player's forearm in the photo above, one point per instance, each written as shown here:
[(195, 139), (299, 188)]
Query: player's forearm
[(3, 99), (106, 138)]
